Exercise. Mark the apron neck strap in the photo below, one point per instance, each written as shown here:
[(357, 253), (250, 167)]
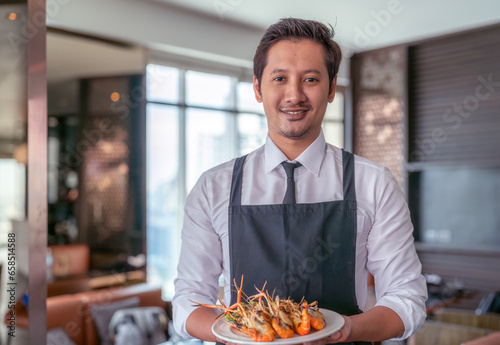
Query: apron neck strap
[(348, 178), (235, 195)]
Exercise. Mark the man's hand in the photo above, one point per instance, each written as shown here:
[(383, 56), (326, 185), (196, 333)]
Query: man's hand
[(376, 324), (340, 336)]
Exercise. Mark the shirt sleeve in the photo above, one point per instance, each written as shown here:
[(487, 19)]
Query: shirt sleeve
[(200, 262), (392, 258)]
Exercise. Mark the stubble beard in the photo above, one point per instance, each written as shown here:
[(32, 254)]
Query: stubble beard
[(294, 134)]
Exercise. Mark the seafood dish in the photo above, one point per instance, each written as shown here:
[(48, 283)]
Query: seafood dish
[(263, 316)]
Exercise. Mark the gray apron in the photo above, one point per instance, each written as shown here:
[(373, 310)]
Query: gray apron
[(300, 250)]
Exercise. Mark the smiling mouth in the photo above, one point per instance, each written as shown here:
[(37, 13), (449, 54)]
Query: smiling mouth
[(296, 113)]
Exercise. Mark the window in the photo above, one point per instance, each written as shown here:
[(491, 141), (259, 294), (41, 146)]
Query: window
[(333, 124), (12, 195), (195, 121)]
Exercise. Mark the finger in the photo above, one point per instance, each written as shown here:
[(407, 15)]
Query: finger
[(328, 340), (336, 336)]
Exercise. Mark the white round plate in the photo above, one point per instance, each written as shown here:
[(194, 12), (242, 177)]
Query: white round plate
[(334, 322)]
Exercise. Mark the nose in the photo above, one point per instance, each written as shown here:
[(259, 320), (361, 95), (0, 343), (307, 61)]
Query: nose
[(294, 92)]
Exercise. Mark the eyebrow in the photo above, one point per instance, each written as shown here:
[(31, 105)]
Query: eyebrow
[(281, 70)]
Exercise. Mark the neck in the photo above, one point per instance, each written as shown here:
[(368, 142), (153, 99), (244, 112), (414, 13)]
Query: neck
[(292, 148)]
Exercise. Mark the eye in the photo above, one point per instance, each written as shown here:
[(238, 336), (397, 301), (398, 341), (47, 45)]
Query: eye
[(279, 79), (311, 80)]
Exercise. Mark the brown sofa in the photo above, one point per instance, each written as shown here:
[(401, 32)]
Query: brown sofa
[(72, 312), (73, 293)]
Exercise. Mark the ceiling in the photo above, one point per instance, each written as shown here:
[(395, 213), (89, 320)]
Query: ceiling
[(71, 56), (360, 24)]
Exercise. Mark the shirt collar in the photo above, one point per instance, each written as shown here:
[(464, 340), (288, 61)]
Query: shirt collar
[(311, 158)]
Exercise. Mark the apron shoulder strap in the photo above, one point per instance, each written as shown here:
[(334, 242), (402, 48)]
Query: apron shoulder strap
[(348, 178), (235, 194)]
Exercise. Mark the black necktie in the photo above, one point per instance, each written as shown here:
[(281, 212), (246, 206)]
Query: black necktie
[(290, 182)]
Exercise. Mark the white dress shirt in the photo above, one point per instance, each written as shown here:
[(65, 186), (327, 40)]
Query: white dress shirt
[(384, 244)]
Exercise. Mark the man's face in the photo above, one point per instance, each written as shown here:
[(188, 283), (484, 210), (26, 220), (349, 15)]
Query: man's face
[(295, 90)]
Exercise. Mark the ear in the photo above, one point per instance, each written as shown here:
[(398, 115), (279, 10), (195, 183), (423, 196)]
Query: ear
[(331, 93), (256, 90)]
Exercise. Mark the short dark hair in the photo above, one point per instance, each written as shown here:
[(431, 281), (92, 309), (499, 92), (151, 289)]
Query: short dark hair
[(299, 29)]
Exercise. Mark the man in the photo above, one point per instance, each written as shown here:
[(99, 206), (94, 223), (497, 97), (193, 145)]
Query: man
[(318, 238)]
